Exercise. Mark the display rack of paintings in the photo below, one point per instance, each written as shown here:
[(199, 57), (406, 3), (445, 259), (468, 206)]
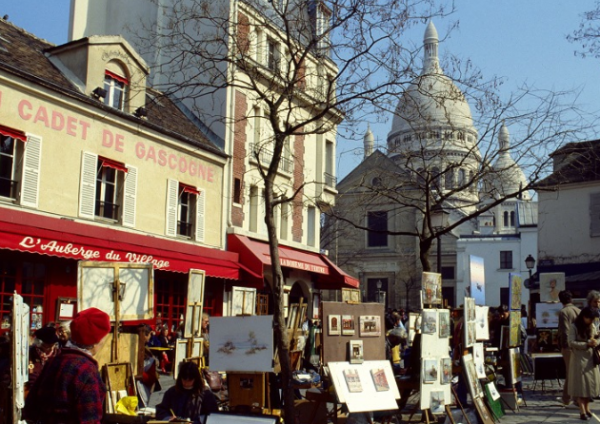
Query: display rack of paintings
[(515, 288), (482, 328), (431, 288), (436, 365), (551, 284), (356, 351), (351, 295), (365, 387)]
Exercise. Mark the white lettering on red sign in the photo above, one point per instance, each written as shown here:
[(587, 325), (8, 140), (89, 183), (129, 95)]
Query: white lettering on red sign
[(303, 265), (69, 249)]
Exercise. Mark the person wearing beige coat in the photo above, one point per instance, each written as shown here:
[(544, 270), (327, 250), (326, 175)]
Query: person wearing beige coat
[(566, 317), (583, 376)]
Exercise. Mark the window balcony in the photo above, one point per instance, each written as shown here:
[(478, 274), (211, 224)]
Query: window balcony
[(107, 210), (266, 155), (184, 228), (330, 180)]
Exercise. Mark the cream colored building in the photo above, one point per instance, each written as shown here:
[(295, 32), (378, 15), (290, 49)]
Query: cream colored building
[(97, 166)]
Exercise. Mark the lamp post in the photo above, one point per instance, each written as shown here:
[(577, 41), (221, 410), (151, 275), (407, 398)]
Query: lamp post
[(379, 284), (530, 264), (439, 221)]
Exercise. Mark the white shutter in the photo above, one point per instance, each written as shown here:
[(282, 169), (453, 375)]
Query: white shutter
[(30, 179), (172, 197), (200, 209), (595, 215), (129, 194), (87, 188)]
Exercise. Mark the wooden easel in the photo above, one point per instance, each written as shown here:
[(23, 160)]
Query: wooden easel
[(196, 313)]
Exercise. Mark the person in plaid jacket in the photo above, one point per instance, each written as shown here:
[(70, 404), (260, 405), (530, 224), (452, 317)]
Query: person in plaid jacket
[(70, 390)]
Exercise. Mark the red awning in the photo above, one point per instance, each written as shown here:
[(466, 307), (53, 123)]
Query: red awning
[(35, 233), (109, 163), (189, 189), (11, 132), (117, 77), (254, 255)]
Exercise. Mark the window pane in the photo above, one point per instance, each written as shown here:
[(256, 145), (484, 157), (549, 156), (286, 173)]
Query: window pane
[(377, 221)]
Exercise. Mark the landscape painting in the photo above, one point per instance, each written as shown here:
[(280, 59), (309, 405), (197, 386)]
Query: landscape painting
[(243, 344)]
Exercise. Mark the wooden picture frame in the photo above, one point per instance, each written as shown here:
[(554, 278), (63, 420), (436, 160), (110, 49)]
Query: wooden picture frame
[(66, 308), (195, 301), (243, 301)]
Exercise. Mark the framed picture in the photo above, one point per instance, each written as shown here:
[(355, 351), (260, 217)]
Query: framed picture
[(436, 405), (431, 370), (293, 315), (380, 380), (470, 328), (482, 326), (243, 301), (180, 355), (473, 381), (356, 352), (66, 308), (347, 325), (197, 347), (477, 279), (515, 328), (515, 287), (444, 327), (350, 295), (334, 325), (515, 365), (446, 374), (195, 300), (432, 288), (370, 326), (551, 283), (483, 411), (546, 314), (429, 321), (353, 380)]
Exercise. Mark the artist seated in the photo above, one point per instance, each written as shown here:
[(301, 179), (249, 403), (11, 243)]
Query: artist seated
[(189, 400)]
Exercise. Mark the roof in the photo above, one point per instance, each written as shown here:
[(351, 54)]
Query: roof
[(574, 163), (24, 55)]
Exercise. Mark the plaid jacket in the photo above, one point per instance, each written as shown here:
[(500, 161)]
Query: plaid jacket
[(69, 390)]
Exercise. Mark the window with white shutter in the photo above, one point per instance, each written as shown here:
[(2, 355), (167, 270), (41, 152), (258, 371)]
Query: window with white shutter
[(87, 187), (129, 195), (172, 200), (200, 209), (30, 180)]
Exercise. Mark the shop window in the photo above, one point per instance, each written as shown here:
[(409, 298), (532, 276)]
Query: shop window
[(19, 166), (28, 280), (170, 302), (108, 190), (378, 225), (185, 211), (506, 259), (116, 88)]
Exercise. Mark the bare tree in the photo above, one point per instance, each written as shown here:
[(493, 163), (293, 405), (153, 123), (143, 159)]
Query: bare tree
[(587, 35), (309, 65)]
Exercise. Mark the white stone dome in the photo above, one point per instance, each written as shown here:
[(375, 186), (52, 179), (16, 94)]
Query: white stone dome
[(507, 176), (432, 102)]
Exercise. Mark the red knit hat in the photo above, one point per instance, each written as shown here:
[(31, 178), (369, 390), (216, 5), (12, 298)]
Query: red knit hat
[(89, 327)]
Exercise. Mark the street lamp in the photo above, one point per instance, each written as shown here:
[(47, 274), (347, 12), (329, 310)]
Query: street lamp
[(439, 221), (379, 284), (530, 264)]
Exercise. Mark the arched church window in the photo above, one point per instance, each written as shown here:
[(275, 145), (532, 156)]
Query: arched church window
[(512, 219), (505, 219), (461, 136)]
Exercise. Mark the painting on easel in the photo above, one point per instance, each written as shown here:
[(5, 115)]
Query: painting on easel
[(195, 300)]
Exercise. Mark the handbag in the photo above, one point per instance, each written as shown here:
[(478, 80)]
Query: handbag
[(596, 355), (213, 379)]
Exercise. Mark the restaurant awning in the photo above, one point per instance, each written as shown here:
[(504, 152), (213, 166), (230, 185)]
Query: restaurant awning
[(254, 256), (36, 233)]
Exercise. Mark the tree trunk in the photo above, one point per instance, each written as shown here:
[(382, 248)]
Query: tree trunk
[(283, 342), (424, 249)]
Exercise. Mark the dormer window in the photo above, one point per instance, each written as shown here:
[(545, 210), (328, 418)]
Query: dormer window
[(116, 90)]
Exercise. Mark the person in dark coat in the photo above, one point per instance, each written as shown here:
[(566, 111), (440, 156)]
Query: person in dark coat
[(44, 347), (69, 389), (189, 399)]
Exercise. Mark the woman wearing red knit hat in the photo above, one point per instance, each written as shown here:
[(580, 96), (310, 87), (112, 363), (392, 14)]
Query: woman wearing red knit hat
[(69, 390)]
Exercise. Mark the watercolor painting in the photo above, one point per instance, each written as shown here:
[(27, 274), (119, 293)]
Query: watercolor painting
[(515, 287), (380, 380), (242, 344), (437, 402), (353, 381), (446, 377), (551, 283), (477, 277), (432, 288), (370, 326), (482, 327), (430, 370), (356, 352), (335, 325), (347, 325), (444, 326), (429, 321)]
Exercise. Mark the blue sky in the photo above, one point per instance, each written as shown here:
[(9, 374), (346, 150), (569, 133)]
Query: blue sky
[(523, 41)]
